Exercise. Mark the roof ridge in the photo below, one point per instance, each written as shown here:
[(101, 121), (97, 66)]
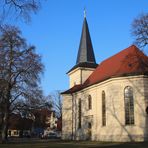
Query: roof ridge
[(125, 49)]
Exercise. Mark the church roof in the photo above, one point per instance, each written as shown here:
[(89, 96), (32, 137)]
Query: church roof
[(85, 57), (130, 61)]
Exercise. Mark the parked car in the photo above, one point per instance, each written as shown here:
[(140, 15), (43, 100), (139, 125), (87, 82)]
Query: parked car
[(49, 136)]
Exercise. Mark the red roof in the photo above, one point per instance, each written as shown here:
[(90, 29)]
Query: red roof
[(130, 61), (16, 122), (44, 112), (73, 89)]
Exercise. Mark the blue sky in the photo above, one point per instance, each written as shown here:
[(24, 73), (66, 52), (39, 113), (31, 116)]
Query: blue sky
[(56, 29)]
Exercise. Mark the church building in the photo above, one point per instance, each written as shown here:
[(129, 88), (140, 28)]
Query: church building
[(106, 101)]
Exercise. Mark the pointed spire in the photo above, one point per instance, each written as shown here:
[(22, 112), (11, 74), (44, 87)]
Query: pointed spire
[(85, 57), (85, 53)]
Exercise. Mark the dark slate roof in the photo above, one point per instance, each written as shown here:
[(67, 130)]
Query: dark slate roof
[(84, 65), (85, 55), (129, 62)]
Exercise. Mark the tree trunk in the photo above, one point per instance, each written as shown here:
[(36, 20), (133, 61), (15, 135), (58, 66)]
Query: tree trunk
[(5, 125), (7, 101)]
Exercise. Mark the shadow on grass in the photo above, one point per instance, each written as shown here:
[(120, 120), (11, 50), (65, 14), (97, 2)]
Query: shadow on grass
[(54, 143), (122, 145)]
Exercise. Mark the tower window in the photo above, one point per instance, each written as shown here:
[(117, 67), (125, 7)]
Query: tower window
[(129, 105)]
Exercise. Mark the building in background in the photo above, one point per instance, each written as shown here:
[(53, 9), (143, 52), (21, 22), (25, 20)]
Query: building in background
[(40, 122), (19, 127)]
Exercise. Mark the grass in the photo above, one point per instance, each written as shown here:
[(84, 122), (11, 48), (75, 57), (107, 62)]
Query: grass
[(37, 143)]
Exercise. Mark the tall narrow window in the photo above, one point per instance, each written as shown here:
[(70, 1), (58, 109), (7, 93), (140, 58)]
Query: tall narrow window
[(79, 113), (89, 102), (129, 105), (103, 109)]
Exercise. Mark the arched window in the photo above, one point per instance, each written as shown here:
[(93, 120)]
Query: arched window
[(103, 109), (129, 105), (146, 110), (79, 113), (89, 102)]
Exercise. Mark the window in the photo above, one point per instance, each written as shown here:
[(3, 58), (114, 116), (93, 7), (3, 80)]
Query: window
[(129, 105), (15, 133), (89, 102), (146, 110), (79, 113), (103, 109)]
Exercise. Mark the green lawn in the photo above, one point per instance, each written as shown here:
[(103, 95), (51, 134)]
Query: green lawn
[(28, 143)]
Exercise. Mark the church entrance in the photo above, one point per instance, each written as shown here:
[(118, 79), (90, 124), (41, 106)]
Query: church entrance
[(89, 131), (88, 120)]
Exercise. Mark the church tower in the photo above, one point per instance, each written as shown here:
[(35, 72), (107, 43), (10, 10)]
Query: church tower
[(85, 63)]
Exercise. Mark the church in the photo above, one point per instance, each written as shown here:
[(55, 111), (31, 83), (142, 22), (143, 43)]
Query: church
[(106, 101)]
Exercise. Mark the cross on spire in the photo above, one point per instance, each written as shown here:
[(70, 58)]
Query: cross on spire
[(84, 13)]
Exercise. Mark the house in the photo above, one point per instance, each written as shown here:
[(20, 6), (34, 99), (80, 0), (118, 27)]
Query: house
[(59, 124), (18, 126), (45, 121), (51, 122), (106, 101), (42, 121)]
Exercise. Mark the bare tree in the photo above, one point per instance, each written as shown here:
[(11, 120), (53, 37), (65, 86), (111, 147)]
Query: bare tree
[(56, 101), (10, 9), (140, 30), (20, 69)]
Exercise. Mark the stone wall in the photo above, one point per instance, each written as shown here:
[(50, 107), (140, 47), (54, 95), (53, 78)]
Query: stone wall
[(79, 75), (67, 122), (115, 129)]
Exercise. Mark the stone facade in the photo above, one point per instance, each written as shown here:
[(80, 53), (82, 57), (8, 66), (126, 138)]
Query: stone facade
[(109, 101), (91, 119), (67, 123)]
